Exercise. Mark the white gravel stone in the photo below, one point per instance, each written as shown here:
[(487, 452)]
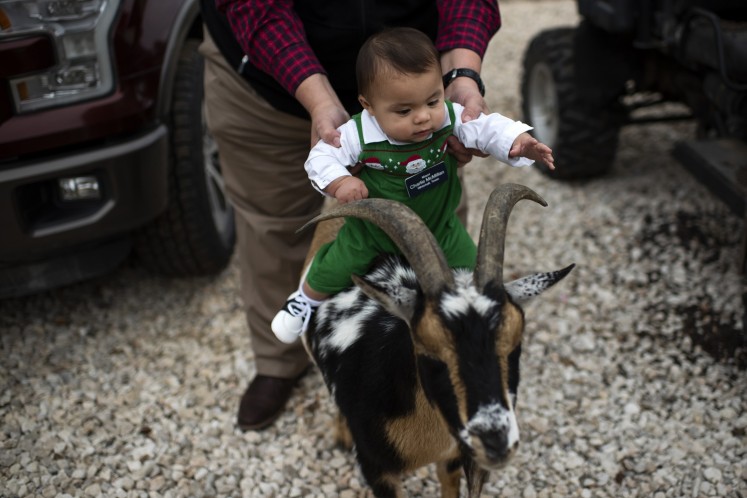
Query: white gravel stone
[(128, 386), (124, 483), (712, 474), (529, 492), (93, 490)]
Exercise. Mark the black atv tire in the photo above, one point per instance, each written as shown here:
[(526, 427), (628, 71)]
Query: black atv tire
[(583, 137), (195, 235)]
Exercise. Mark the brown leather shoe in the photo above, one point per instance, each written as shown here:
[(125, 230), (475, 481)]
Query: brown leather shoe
[(264, 401)]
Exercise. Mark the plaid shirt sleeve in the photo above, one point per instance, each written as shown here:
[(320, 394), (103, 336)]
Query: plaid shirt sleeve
[(273, 38), (467, 24)]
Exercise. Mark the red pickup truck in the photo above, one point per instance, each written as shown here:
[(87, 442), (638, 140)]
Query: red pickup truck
[(103, 144)]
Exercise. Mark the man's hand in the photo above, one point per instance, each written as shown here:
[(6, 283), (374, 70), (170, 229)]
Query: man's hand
[(325, 120), (327, 113), (527, 146), (464, 91), (462, 154), (347, 189)]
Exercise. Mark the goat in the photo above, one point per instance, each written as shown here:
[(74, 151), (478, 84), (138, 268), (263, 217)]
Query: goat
[(421, 360)]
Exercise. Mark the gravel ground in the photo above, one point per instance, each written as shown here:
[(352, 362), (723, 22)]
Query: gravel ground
[(634, 380)]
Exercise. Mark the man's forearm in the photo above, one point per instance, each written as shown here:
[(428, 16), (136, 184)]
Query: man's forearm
[(316, 92), (461, 58), (319, 99)]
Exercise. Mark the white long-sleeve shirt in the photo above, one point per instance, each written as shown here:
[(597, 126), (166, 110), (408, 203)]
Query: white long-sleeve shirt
[(490, 133)]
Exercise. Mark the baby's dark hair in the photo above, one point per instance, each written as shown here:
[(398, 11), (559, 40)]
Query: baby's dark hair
[(401, 50)]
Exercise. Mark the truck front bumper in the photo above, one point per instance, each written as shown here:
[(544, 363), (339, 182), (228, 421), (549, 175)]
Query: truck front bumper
[(48, 239)]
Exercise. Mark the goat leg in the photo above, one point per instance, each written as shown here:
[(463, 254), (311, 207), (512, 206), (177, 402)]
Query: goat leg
[(342, 435), (476, 477), (449, 475), (383, 485)]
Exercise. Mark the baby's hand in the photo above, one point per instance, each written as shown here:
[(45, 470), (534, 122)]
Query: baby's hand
[(527, 146), (347, 189)]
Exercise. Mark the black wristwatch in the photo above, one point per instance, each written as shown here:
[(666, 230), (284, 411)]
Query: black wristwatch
[(469, 73)]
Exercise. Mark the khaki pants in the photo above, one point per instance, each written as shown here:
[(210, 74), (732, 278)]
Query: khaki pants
[(262, 152)]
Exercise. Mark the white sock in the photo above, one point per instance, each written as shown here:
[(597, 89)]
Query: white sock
[(313, 302)]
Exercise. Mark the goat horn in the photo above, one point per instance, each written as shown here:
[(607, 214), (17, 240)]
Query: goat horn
[(489, 267), (408, 232)]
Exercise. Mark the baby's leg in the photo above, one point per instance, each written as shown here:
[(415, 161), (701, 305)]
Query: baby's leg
[(313, 295)]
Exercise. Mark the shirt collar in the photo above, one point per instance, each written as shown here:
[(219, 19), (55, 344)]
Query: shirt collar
[(373, 133)]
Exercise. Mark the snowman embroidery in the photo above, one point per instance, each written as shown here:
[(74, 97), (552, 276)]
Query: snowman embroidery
[(414, 164)]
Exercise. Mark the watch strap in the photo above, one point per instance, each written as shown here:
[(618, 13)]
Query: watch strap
[(468, 73)]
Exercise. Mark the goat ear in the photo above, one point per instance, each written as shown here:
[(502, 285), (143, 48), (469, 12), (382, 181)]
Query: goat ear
[(525, 288), (397, 300)]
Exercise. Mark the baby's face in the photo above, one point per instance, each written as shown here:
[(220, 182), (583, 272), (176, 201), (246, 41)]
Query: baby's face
[(408, 107)]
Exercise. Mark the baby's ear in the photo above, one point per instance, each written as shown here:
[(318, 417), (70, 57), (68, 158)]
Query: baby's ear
[(364, 103)]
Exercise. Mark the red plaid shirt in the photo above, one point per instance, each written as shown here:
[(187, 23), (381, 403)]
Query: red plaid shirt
[(273, 36)]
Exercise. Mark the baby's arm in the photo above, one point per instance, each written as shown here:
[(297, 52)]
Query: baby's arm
[(328, 165), (502, 138), (347, 188), (527, 146)]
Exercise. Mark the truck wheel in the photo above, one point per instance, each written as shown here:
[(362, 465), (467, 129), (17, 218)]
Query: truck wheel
[(583, 137), (195, 235)]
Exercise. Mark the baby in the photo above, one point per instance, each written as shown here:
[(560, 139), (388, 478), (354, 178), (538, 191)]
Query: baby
[(400, 140)]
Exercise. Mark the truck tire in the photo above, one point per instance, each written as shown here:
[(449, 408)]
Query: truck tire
[(583, 137), (195, 235)]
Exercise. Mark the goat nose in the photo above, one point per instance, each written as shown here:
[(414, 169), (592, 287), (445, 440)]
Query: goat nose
[(496, 445)]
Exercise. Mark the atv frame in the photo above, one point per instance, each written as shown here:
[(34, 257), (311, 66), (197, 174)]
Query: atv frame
[(582, 84)]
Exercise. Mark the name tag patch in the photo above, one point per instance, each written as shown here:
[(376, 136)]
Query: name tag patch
[(426, 180)]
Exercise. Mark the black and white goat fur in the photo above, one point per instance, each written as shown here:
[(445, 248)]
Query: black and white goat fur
[(423, 361)]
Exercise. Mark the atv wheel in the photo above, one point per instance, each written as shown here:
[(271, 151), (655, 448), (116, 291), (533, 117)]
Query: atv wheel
[(195, 235), (583, 138)]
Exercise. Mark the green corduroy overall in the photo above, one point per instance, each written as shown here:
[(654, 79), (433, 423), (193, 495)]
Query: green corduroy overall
[(359, 242)]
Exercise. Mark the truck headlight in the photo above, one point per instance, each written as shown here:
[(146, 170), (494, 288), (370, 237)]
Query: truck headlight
[(79, 30)]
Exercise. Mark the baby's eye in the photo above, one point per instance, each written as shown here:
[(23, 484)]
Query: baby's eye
[(403, 112), (434, 103)]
